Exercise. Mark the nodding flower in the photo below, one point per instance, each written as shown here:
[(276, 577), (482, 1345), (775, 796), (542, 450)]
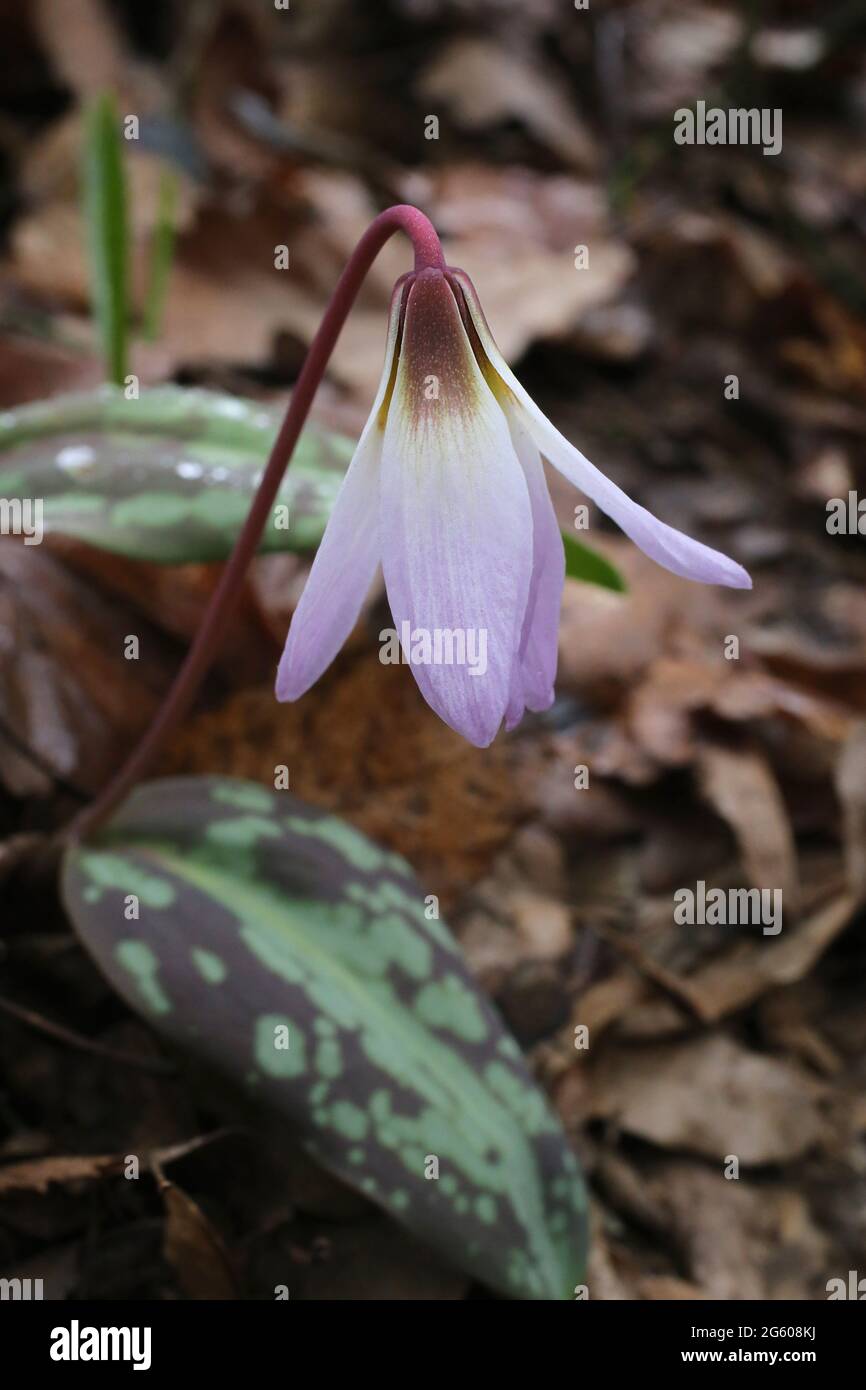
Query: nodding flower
[(447, 491)]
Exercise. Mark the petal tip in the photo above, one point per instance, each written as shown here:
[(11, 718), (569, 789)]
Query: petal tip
[(289, 685), (282, 690), (732, 576)]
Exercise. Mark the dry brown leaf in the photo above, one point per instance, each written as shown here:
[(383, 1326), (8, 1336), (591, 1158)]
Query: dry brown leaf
[(610, 999), (66, 691), (474, 202), (230, 303), (32, 369), (174, 598), (603, 1279), (365, 745), (530, 293), (738, 784), (678, 50), (715, 1221), (850, 783), (711, 1096), (740, 1241), (20, 850), (744, 972), (483, 84), (83, 43), (658, 630), (38, 1174), (192, 1246), (665, 1289), (661, 708), (512, 230), (747, 695)]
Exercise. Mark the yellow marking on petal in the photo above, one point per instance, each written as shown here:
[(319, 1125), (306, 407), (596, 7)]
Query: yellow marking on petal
[(499, 388), (395, 338)]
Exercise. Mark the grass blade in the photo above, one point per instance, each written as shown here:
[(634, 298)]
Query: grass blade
[(107, 232), (161, 252)]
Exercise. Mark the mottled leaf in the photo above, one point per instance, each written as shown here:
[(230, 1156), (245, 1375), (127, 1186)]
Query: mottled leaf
[(264, 922), (168, 477), (587, 565)]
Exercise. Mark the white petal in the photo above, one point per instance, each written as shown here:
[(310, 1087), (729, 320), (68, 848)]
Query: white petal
[(455, 518), (667, 546), (535, 668), (341, 575), (347, 557)]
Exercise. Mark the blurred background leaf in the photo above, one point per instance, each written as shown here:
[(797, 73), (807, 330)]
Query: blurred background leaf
[(107, 232), (591, 568), (167, 477), (161, 249)]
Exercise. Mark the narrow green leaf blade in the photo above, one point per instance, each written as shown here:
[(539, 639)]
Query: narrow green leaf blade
[(161, 253), (259, 914), (590, 567), (167, 477), (107, 231)]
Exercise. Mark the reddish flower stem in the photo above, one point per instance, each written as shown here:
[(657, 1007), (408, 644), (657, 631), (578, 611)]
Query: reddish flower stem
[(428, 253)]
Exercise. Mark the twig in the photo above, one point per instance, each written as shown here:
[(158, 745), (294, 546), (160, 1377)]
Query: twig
[(66, 1035)]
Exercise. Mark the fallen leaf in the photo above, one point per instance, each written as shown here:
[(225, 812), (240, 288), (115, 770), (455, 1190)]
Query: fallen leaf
[(741, 1241), (711, 1096), (383, 761), (484, 84), (748, 969), (38, 1174), (850, 782), (191, 1244), (71, 703), (739, 785)]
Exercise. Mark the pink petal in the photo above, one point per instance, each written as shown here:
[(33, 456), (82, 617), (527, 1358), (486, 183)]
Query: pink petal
[(535, 667), (455, 516), (347, 557), (341, 575), (667, 546)]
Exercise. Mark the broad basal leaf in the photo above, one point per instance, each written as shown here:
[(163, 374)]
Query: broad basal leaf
[(282, 946), (168, 477)]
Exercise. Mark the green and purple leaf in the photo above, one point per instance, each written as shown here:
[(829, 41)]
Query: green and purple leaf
[(168, 477), (282, 946)]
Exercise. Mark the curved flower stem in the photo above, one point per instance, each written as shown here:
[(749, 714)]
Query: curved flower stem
[(428, 254)]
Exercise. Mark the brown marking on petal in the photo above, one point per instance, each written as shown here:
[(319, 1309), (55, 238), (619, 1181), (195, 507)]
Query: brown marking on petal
[(435, 344)]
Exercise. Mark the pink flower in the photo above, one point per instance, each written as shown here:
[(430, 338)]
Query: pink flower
[(446, 489)]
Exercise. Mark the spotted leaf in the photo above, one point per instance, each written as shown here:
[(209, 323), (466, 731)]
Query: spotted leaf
[(168, 477), (284, 947)]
